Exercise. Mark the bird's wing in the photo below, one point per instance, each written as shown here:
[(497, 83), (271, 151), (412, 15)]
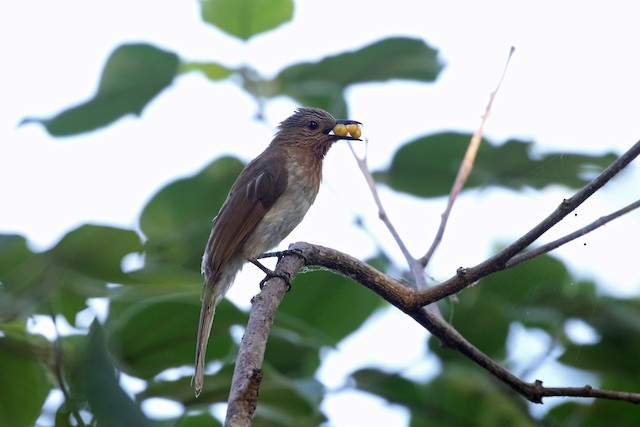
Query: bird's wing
[(256, 189)]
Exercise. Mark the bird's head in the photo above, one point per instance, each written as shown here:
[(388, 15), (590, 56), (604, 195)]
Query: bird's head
[(315, 129)]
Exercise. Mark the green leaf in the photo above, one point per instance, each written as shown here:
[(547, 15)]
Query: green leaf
[(24, 381), (322, 83), (13, 252), (212, 70), (109, 403), (286, 402), (317, 296), (216, 389), (522, 294), (40, 283), (177, 221), (152, 334), (97, 251), (246, 18), (17, 269), (614, 320), (593, 413), (458, 397), (427, 167), (203, 419), (133, 75)]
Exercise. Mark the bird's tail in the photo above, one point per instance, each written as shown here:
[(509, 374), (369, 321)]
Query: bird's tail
[(207, 312), (213, 293)]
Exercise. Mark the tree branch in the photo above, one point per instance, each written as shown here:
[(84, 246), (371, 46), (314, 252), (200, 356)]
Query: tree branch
[(467, 276), (416, 268), (248, 372), (402, 298), (245, 385)]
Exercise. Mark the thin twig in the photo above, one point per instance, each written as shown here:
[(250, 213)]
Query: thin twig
[(465, 169), (417, 271), (382, 214), (525, 256)]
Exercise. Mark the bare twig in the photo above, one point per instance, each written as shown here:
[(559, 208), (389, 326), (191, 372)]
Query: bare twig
[(382, 214), (245, 385), (498, 262), (465, 169), (417, 271), (586, 391), (525, 256)]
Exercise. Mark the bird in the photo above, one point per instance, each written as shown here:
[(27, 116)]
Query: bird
[(267, 201)]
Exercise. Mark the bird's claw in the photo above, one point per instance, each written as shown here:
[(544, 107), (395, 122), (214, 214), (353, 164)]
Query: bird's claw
[(280, 254), (271, 274), (283, 275)]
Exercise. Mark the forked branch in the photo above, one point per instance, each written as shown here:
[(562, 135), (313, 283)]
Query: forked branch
[(247, 374)]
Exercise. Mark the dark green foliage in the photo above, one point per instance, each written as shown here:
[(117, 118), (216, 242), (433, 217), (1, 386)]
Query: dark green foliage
[(322, 83), (436, 159), (133, 75)]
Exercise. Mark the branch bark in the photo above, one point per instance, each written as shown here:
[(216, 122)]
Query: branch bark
[(248, 373)]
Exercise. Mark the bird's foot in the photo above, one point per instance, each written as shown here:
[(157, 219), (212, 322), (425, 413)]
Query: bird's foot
[(281, 254), (270, 273)]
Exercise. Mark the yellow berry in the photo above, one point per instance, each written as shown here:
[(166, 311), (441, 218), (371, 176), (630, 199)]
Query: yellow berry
[(355, 130), (340, 130)]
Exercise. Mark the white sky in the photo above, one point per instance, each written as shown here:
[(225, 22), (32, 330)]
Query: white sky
[(572, 85)]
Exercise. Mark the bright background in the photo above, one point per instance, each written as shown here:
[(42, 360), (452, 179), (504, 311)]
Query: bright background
[(572, 85)]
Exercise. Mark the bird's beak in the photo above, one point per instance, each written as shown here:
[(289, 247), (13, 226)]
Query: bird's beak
[(346, 129)]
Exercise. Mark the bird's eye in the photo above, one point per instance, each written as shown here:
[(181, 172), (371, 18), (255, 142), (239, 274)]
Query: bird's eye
[(312, 125)]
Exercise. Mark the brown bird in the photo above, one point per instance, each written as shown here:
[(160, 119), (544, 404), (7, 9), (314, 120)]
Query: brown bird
[(267, 201)]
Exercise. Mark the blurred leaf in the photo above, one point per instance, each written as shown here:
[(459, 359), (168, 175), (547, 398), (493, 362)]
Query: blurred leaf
[(458, 397), (592, 413), (109, 403), (69, 295), (213, 71), (519, 294), (18, 266), (286, 402), (97, 251), (203, 419), (133, 75), (317, 296), (177, 220), (216, 389), (153, 334), (13, 252), (322, 84), (244, 19), (41, 283), (427, 166), (24, 381), (293, 352), (614, 355)]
